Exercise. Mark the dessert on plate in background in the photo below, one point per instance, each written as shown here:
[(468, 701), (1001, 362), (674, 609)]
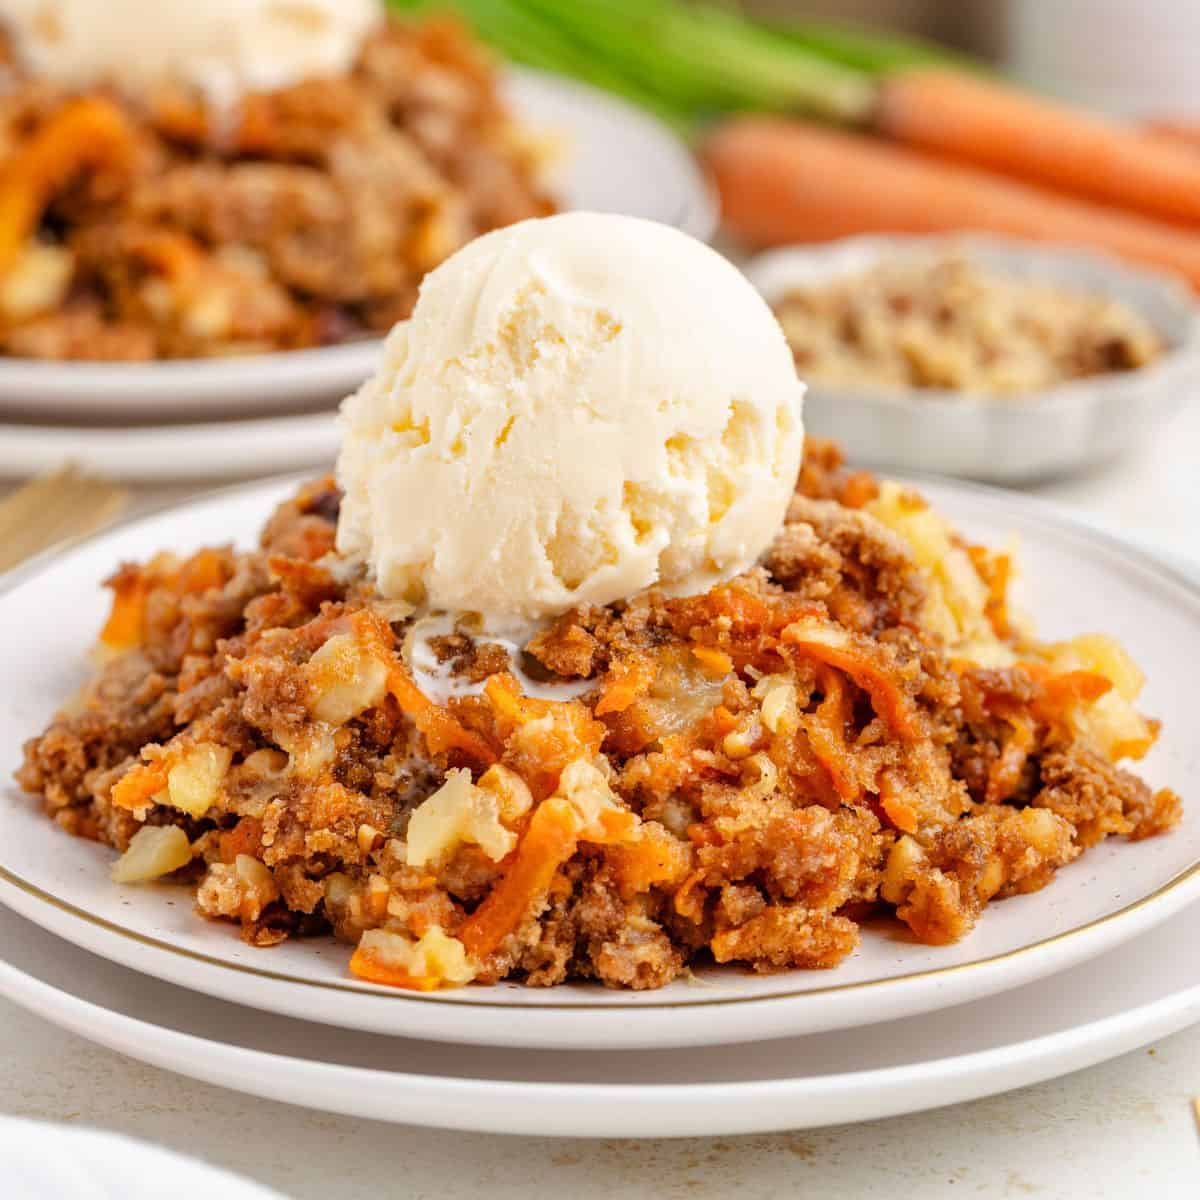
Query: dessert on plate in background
[(945, 322), (182, 181)]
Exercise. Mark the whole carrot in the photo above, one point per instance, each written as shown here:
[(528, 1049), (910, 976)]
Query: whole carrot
[(981, 120), (785, 180), (1185, 134)]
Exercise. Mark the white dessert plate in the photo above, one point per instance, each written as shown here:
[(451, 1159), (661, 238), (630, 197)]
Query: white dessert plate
[(1001, 439), (1124, 999), (1076, 580), (51, 1160), (617, 159), (204, 450)]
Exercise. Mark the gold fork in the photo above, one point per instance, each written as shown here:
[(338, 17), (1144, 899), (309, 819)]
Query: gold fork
[(52, 508)]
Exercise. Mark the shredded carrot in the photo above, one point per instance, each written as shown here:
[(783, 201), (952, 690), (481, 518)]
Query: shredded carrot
[(1005, 773), (626, 684), (173, 254), (900, 813), (368, 966), (435, 723), (567, 731), (890, 700), (715, 663), (826, 731), (257, 130), (616, 825), (996, 606), (1073, 688), (744, 609), (1056, 698), (996, 571), (244, 838), (687, 902), (654, 858), (200, 573), (125, 626), (721, 720), (139, 785), (548, 842), (505, 697), (440, 730), (860, 488), (86, 134), (1058, 694)]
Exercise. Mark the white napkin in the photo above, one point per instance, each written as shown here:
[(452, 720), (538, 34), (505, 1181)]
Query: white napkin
[(41, 1161)]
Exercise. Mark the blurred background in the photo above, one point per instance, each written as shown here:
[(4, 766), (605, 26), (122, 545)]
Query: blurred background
[(978, 26), (815, 142), (1121, 56)]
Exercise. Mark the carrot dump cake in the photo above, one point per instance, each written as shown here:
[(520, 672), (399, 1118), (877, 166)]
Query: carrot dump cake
[(655, 696), (947, 322), (185, 180)]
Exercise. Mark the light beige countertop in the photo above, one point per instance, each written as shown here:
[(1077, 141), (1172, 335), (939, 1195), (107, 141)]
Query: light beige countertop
[(1123, 1129)]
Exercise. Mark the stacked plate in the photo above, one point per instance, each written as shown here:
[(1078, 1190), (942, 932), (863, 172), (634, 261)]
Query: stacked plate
[(1090, 967), (208, 419)]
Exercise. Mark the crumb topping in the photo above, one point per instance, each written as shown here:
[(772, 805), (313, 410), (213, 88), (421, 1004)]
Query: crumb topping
[(857, 726)]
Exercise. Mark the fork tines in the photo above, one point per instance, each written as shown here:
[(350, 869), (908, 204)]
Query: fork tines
[(53, 508)]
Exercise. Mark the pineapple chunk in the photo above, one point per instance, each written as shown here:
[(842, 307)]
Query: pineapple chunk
[(436, 956), (1110, 724), (154, 851), (1044, 829), (511, 792), (585, 788), (440, 956), (956, 607), (764, 776), (241, 889), (344, 679), (253, 873), (36, 282), (904, 859), (194, 782), (778, 700), (310, 752), (339, 887), (458, 812), (1105, 656)]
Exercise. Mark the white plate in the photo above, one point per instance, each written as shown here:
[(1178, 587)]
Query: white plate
[(1114, 1004), (209, 450), (1001, 439), (1077, 580), (45, 1160), (618, 159)]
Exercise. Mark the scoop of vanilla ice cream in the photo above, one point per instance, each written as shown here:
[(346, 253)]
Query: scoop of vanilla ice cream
[(224, 47), (580, 407)]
